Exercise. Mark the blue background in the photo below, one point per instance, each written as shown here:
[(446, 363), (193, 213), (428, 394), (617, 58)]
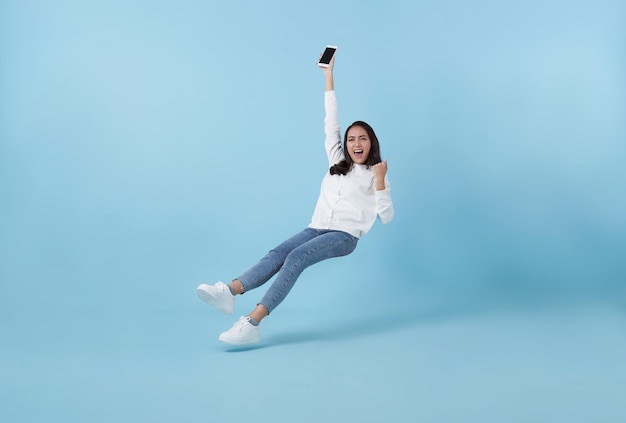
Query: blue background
[(146, 147)]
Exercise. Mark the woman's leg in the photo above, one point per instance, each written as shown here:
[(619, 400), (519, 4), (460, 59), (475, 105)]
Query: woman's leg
[(267, 267), (327, 244), (324, 245), (222, 296)]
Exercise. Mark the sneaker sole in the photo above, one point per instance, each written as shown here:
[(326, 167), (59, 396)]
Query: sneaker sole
[(208, 298), (237, 342)]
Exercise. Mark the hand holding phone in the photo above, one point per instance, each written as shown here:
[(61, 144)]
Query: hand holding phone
[(327, 56)]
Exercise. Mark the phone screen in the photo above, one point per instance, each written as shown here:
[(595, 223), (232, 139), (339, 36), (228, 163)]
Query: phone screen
[(328, 55)]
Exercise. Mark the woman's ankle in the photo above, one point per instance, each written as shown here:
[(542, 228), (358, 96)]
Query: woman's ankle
[(236, 287), (259, 313)]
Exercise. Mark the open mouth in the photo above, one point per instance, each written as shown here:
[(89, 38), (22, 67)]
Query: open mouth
[(358, 153)]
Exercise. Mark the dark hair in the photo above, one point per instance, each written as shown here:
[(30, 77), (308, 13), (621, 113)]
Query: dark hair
[(373, 158)]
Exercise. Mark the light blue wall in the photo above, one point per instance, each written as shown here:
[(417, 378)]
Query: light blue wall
[(159, 144)]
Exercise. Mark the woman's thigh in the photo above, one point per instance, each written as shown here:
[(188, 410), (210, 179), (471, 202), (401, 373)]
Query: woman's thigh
[(290, 244), (325, 245)]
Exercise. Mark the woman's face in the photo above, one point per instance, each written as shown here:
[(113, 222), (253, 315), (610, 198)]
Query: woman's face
[(358, 144)]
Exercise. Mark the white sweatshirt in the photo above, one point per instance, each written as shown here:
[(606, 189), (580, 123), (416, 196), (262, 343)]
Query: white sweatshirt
[(350, 202)]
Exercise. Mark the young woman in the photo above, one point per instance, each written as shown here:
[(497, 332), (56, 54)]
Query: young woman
[(354, 191)]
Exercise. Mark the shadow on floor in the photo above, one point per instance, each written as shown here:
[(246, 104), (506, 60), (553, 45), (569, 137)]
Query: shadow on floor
[(366, 326), (399, 319)]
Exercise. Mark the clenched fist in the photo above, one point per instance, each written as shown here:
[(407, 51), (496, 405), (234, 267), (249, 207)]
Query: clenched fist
[(380, 170)]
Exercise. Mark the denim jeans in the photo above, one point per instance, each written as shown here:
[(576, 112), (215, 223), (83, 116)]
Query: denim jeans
[(291, 257)]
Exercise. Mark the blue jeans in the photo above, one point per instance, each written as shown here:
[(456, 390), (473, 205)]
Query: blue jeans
[(291, 257)]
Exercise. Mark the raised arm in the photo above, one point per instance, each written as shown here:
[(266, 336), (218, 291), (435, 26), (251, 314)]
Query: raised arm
[(328, 74), (332, 130)]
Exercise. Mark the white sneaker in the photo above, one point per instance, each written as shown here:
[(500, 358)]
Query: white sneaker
[(218, 296), (242, 333)]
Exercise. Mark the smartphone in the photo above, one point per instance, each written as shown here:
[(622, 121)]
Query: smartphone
[(327, 56)]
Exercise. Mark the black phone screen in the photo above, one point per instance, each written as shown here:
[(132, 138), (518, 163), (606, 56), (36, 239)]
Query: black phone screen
[(328, 55)]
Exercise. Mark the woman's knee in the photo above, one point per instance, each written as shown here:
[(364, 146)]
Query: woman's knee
[(294, 259)]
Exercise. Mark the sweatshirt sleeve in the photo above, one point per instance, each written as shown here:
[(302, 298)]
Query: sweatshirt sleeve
[(384, 205), (334, 149)]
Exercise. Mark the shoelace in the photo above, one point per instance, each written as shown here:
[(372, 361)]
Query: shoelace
[(241, 323)]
